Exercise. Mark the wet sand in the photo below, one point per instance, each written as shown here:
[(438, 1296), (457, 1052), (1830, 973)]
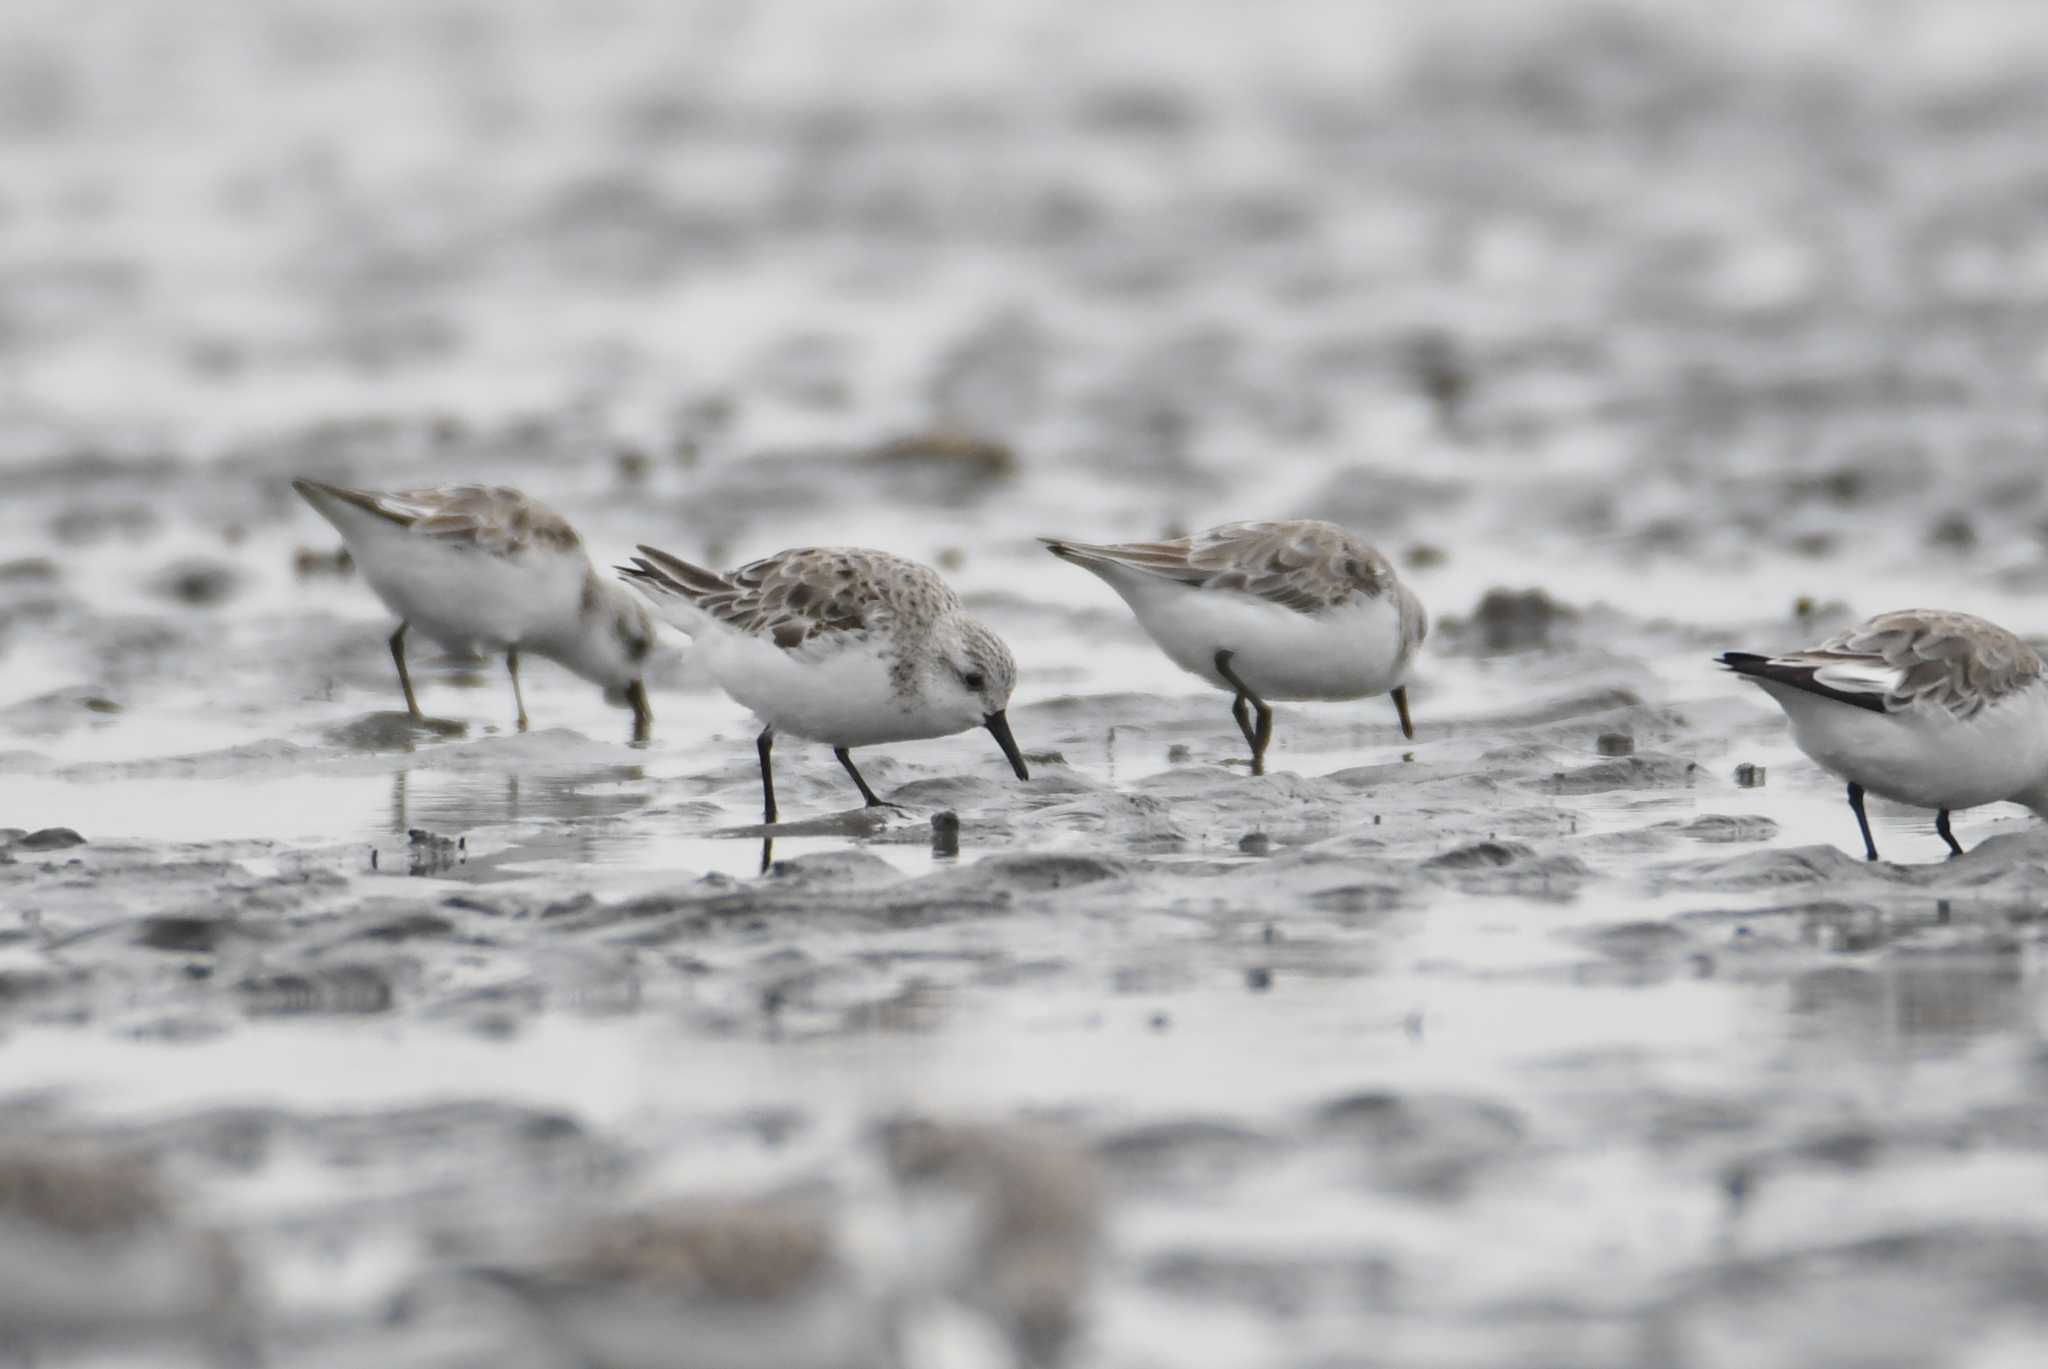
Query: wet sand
[(1549, 1038)]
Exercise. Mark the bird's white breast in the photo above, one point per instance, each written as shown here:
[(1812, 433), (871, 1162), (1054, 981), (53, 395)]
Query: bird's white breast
[(1924, 755), (1346, 652), (840, 692), (464, 597)]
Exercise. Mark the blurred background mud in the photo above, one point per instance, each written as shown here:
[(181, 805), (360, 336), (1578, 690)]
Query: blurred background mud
[(1570, 1034)]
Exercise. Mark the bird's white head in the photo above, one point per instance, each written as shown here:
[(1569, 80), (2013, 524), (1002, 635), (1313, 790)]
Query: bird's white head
[(967, 680), (613, 638)]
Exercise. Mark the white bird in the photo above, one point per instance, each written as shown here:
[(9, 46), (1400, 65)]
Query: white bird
[(486, 568), (1935, 709), (1269, 611), (840, 645)]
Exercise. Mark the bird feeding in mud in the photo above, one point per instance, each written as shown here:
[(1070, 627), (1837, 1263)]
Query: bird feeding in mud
[(1281, 611), (1934, 709), (486, 568), (839, 645)]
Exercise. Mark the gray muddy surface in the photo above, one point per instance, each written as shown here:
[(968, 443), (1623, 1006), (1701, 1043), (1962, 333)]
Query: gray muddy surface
[(1542, 1040)]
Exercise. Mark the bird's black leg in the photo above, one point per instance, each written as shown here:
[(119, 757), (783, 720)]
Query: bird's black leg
[(518, 698), (764, 744), (412, 704), (1256, 735), (1955, 848), (1862, 820), (1241, 709), (643, 716), (867, 795)]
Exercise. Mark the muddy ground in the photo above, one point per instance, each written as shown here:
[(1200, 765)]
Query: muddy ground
[(1571, 1033)]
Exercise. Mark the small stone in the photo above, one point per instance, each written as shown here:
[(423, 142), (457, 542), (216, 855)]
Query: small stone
[(1510, 620), (1953, 531), (1616, 744), (1258, 979), (308, 563), (1160, 1022), (945, 835), (1423, 555), (1738, 1181), (1748, 776), (1255, 844), (1178, 754), (431, 854), (51, 839), (184, 933), (28, 569), (1442, 370), (197, 582)]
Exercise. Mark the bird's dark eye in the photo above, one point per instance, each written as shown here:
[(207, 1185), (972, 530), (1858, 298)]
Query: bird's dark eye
[(974, 679)]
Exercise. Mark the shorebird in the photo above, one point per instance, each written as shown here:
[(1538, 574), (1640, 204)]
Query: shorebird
[(1269, 611), (485, 567), (1935, 709), (839, 645)]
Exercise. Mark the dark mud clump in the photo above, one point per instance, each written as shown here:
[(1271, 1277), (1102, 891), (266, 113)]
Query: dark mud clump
[(1512, 620), (49, 839), (197, 583)]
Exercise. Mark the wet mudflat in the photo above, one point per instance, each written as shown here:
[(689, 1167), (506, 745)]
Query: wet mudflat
[(1553, 1037)]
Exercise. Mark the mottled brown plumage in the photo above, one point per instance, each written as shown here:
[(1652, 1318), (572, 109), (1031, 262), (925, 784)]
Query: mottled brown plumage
[(1302, 564), (806, 592), (1953, 661), (492, 518)]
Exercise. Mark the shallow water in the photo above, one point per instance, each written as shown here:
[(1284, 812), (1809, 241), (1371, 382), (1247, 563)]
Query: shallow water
[(1514, 1044)]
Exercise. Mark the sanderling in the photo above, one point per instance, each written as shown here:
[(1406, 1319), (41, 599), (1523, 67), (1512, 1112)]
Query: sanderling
[(1291, 610), (92, 1251), (482, 567), (1938, 710), (840, 645)]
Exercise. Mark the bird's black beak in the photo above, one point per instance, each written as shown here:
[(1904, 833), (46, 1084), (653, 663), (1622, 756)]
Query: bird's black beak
[(643, 716), (999, 728)]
